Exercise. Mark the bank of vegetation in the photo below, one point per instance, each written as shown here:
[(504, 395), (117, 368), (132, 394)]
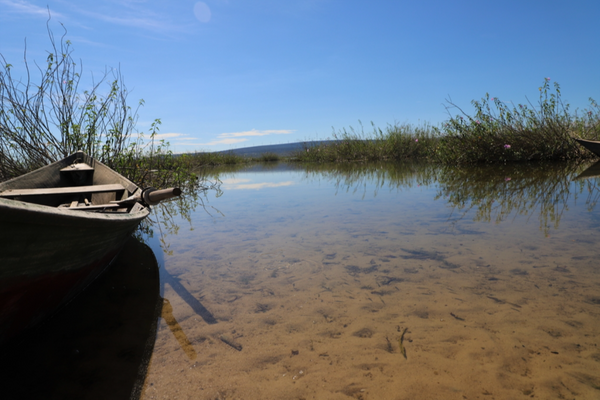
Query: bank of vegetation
[(497, 132)]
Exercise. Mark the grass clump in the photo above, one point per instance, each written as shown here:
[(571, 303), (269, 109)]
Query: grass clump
[(499, 132), (268, 157), (397, 142), (199, 160), (496, 133)]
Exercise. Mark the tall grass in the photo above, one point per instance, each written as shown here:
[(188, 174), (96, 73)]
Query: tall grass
[(397, 142), (497, 133), (199, 160), (501, 132)]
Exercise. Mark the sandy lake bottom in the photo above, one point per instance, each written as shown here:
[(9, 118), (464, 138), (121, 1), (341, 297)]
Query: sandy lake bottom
[(322, 293)]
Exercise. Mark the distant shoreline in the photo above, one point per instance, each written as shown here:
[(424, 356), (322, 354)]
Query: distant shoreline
[(282, 150)]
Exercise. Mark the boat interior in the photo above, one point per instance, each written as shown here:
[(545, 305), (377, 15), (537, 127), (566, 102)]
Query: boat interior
[(78, 189)]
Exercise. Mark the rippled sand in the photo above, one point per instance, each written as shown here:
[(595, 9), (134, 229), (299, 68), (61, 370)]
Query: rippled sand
[(311, 298)]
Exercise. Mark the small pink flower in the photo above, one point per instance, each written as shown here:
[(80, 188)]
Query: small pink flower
[(507, 179), (507, 146), (478, 121), (416, 140), (493, 98), (547, 79)]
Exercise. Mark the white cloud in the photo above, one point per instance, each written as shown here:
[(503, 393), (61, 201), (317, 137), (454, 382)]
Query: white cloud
[(255, 132)]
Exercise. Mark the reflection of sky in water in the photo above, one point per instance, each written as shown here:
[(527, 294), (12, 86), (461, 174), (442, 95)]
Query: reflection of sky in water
[(249, 184)]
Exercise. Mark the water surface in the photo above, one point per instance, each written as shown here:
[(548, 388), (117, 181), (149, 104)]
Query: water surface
[(312, 274)]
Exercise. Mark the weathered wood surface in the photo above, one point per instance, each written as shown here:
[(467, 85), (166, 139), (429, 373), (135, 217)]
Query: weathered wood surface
[(63, 190), (95, 207)]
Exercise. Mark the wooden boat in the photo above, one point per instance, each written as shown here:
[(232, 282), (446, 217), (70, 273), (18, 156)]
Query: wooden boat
[(60, 227), (591, 145)]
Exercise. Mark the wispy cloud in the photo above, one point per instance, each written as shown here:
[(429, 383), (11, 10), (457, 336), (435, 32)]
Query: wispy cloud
[(224, 141), (146, 22), (173, 135), (24, 7), (131, 14), (185, 140), (255, 132), (128, 13)]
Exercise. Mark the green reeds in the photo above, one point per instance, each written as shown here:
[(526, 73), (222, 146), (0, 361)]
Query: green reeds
[(499, 132), (397, 142), (496, 133), (199, 160), (268, 157)]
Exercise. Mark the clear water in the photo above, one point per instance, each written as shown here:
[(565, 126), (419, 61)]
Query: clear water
[(384, 282), (345, 281)]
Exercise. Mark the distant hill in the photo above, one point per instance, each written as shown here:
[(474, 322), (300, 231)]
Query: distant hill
[(283, 150)]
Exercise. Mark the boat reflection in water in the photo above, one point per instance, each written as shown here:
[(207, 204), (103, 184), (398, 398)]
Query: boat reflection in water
[(97, 347)]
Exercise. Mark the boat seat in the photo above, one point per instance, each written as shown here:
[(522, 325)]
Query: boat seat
[(63, 190)]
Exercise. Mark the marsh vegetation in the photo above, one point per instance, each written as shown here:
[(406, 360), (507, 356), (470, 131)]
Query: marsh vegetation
[(497, 132)]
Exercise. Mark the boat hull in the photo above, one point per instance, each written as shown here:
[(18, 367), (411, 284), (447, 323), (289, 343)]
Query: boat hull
[(49, 254)]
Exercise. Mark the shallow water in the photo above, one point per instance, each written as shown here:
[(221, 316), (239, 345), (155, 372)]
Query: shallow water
[(345, 281), (303, 282)]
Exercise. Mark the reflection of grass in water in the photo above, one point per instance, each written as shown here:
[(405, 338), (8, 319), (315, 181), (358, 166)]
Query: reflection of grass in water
[(493, 193)]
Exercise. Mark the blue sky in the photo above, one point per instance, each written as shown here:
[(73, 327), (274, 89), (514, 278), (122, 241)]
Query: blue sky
[(224, 74)]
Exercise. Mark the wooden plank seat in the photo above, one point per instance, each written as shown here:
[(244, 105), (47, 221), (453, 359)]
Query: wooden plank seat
[(63, 190), (96, 207)]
